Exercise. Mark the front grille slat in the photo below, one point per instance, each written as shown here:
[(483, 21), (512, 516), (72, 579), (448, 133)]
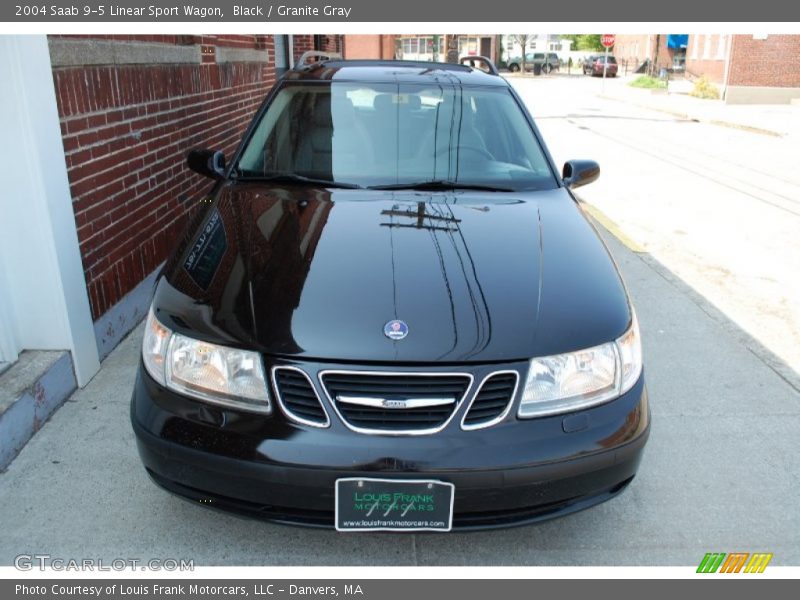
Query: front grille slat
[(492, 400), (298, 397), (400, 386)]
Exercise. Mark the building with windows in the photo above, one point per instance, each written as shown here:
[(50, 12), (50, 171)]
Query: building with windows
[(536, 42), (663, 50), (749, 69), (425, 47)]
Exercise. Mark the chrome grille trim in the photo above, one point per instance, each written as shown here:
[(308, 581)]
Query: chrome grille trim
[(505, 412), (396, 404), (431, 430), (292, 416)]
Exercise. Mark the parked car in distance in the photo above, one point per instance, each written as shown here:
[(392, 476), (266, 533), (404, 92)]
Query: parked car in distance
[(593, 65), (390, 312), (547, 62)]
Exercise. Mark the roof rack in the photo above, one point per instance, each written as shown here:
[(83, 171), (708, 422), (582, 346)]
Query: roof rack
[(490, 67), (319, 55)]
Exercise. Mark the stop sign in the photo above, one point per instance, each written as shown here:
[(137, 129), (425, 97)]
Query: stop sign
[(608, 39)]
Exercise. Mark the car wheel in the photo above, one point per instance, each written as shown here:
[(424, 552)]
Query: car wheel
[(513, 67)]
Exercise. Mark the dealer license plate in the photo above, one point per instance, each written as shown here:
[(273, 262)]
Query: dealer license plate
[(367, 504)]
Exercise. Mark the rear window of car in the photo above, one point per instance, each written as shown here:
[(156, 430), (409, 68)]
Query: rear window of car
[(388, 134)]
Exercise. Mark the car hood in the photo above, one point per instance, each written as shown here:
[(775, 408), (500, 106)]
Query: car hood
[(314, 273)]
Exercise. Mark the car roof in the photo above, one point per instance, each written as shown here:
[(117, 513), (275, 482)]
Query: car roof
[(394, 71)]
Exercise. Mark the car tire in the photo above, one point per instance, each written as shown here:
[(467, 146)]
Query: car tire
[(513, 68)]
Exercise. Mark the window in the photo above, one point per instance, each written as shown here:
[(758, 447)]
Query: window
[(706, 46), (422, 48), (467, 46), (722, 47), (382, 133)]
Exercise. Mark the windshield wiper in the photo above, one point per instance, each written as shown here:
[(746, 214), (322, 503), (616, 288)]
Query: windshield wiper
[(296, 178), (440, 184)]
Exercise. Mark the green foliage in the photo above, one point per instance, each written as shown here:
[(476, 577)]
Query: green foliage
[(703, 88), (588, 41), (647, 82), (583, 41)]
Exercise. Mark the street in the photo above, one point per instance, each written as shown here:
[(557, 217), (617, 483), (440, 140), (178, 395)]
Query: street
[(719, 207), (703, 222)]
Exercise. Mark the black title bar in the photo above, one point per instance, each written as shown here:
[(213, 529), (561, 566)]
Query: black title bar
[(387, 11)]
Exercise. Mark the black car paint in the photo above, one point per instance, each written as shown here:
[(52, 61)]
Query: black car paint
[(306, 268), (309, 276)]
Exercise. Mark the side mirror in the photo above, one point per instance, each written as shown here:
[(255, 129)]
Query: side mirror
[(580, 172), (210, 163)]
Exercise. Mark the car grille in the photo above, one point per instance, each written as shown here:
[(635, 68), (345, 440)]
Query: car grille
[(395, 403), (492, 400), (298, 397)]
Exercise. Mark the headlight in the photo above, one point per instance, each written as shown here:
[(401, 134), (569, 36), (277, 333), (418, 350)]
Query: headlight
[(154, 347), (216, 374), (630, 355), (578, 380)]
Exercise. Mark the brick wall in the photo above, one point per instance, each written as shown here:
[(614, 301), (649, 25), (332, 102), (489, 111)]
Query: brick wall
[(326, 43), (771, 62), (302, 43), (632, 48), (706, 54), (369, 46), (126, 130)]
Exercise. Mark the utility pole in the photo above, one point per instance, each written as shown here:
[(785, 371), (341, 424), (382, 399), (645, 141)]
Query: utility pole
[(419, 217), (653, 66)]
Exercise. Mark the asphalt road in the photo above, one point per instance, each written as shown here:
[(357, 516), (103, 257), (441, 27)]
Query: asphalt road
[(720, 472), (720, 207)]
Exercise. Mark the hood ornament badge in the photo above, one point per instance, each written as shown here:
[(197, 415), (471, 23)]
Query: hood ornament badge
[(395, 330)]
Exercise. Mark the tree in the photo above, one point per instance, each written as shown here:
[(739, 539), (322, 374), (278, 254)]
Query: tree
[(522, 40), (589, 42), (584, 41)]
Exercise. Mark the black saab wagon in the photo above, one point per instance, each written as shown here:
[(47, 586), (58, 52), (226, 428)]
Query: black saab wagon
[(391, 313)]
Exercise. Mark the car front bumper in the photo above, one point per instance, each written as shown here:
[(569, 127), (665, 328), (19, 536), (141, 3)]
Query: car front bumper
[(513, 473)]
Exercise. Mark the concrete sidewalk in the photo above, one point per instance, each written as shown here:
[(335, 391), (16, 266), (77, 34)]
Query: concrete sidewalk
[(781, 120), (719, 472)]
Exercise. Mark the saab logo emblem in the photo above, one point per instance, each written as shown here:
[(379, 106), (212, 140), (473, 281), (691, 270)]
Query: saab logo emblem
[(395, 330), (735, 562)]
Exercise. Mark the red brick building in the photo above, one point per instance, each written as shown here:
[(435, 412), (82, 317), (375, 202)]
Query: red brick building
[(660, 49), (424, 46), (130, 108), (369, 46), (749, 69), (103, 124)]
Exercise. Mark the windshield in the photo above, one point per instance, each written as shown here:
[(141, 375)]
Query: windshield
[(369, 134)]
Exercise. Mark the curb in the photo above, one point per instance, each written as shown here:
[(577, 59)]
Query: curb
[(39, 383), (611, 226), (683, 115)]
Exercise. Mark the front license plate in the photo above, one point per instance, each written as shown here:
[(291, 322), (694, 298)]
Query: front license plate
[(365, 504)]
